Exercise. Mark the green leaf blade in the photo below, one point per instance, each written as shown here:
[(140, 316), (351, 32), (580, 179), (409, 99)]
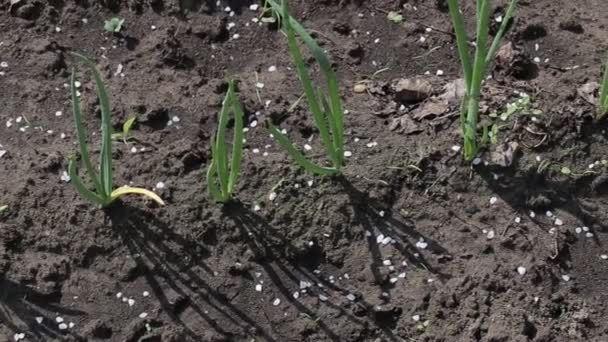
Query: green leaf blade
[(237, 143), (298, 156), (81, 135)]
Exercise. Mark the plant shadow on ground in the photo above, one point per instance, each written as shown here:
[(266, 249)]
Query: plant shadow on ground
[(260, 235), (171, 265), (21, 304), (531, 189)]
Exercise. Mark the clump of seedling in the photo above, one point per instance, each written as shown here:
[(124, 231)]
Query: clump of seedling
[(603, 104), (395, 17), (223, 171), (475, 72), (522, 106), (113, 25), (327, 112), (104, 193), (126, 129)]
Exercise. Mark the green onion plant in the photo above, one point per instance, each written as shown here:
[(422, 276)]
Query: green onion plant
[(104, 193), (475, 72), (603, 104), (326, 109), (223, 171)]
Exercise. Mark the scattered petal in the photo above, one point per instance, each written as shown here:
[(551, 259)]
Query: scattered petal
[(521, 270), (272, 196)]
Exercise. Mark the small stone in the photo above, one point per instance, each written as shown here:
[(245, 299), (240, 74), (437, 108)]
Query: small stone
[(272, 196), (559, 222), (258, 287), (491, 235), (604, 256), (63, 326), (566, 277), (59, 319), (323, 298), (131, 301), (493, 200), (360, 88), (276, 302), (39, 319), (348, 154), (143, 315), (160, 185), (416, 318), (272, 68), (145, 294)]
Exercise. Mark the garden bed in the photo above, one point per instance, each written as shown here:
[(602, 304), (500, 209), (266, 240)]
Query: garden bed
[(410, 243)]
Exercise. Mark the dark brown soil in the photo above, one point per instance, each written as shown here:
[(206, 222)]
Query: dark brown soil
[(410, 244)]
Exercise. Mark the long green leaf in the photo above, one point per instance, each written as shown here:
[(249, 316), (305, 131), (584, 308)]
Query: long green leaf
[(604, 93), (297, 155), (479, 68), (80, 187), (237, 143), (220, 154), (106, 127), (212, 181), (313, 101), (82, 138), (461, 41), (501, 32)]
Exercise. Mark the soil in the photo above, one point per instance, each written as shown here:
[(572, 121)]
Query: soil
[(409, 244)]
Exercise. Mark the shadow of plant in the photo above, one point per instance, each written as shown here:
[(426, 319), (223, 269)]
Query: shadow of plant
[(20, 305)]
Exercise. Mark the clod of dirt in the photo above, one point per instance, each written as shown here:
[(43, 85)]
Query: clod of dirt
[(47, 64), (98, 329), (505, 55), (504, 155), (539, 202), (355, 52), (213, 28), (453, 91), (41, 45), (572, 25), (406, 123), (432, 108), (342, 28), (52, 162), (412, 90), (28, 10), (589, 91), (534, 31)]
